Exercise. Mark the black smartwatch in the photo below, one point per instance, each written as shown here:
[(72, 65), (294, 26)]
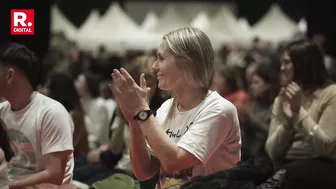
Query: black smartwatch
[(143, 115)]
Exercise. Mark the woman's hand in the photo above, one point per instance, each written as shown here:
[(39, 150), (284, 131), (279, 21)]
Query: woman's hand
[(130, 97), (294, 96), (291, 99)]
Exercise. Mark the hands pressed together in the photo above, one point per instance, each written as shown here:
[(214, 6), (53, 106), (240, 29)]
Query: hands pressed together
[(291, 100), (129, 95)]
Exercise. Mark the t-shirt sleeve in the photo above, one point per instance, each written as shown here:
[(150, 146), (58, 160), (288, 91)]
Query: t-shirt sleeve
[(209, 131), (56, 130)]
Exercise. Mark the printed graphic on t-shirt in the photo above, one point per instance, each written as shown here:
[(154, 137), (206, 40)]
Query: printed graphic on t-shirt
[(175, 180), (178, 134), (24, 161)]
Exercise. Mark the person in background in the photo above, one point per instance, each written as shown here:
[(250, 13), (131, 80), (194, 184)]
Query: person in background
[(60, 87), (96, 113), (226, 82), (102, 162), (302, 135), (40, 128), (194, 133), (106, 94), (264, 87)]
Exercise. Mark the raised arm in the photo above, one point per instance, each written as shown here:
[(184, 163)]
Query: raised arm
[(144, 165), (280, 135)]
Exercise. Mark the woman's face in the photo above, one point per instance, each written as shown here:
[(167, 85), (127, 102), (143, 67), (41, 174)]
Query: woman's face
[(80, 84), (169, 76), (287, 70), (258, 87)]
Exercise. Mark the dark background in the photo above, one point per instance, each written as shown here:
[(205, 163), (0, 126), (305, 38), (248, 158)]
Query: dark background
[(319, 15)]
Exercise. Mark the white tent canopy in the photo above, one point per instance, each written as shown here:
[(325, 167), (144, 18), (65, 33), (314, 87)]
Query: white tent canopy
[(170, 20), (224, 21), (302, 25), (150, 22), (275, 25), (201, 21), (116, 17), (245, 31), (59, 23), (116, 31), (219, 28), (86, 30)]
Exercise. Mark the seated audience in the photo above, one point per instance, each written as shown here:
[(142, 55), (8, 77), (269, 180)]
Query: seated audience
[(302, 134), (114, 156), (195, 133), (60, 87), (40, 128), (264, 87), (96, 113), (226, 82)]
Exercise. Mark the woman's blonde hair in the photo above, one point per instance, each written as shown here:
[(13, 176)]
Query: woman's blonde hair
[(194, 50)]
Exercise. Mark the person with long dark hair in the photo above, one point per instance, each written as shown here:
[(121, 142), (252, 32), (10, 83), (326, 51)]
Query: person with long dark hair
[(302, 135)]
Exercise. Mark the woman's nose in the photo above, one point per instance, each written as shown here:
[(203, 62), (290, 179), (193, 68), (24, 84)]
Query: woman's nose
[(154, 66)]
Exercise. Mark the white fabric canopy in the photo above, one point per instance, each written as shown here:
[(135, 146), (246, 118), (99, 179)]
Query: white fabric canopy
[(219, 27), (233, 30), (59, 23), (302, 25), (87, 28), (245, 35), (201, 21), (117, 32), (170, 20), (150, 22), (275, 26), (224, 21)]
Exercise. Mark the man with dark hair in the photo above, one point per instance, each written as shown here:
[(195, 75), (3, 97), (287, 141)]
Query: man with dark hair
[(40, 128)]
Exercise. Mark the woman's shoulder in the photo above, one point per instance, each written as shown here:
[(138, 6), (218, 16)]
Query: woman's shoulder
[(215, 102), (327, 92), (167, 103), (330, 88)]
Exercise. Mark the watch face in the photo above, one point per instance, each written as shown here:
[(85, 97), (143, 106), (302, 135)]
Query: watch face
[(142, 115)]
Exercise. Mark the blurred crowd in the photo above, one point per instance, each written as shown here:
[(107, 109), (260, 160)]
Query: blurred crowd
[(251, 78)]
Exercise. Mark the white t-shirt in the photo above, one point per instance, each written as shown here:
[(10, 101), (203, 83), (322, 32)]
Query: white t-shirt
[(125, 162), (96, 121), (42, 127), (209, 131)]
